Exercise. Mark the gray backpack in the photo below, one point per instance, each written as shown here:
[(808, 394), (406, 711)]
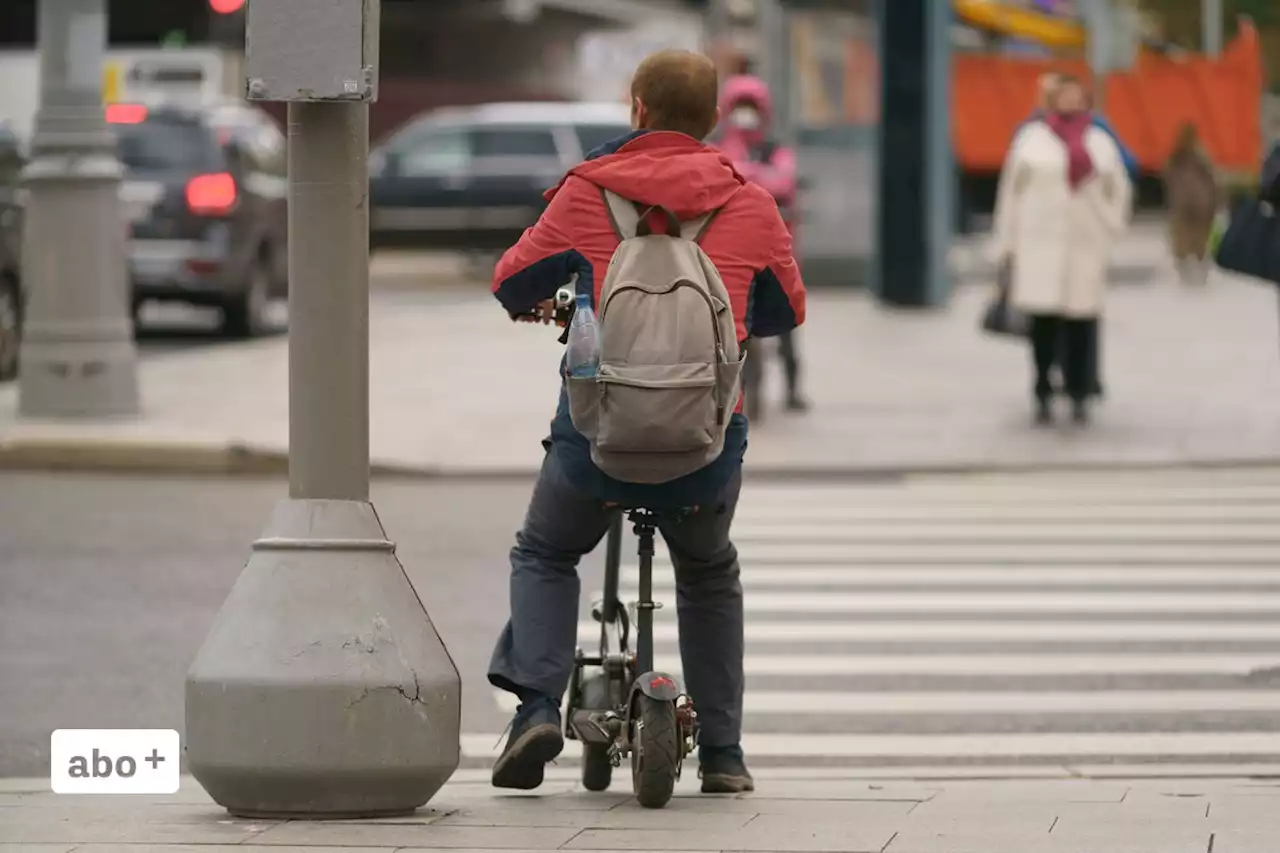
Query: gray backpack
[(670, 366)]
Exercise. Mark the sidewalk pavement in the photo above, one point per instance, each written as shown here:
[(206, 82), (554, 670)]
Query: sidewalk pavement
[(832, 814), (1192, 377)]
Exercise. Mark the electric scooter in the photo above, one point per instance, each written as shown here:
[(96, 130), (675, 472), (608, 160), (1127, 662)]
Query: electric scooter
[(618, 706)]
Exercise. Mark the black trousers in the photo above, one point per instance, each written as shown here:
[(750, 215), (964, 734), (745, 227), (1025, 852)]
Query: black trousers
[(754, 369), (1070, 343)]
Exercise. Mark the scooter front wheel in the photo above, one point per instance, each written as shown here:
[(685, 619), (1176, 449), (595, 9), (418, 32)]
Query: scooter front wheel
[(597, 768), (655, 751)]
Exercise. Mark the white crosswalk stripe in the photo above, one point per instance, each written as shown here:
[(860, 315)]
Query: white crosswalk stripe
[(1119, 619)]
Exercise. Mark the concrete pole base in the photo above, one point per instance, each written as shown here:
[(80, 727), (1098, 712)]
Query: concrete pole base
[(323, 689), (78, 358)]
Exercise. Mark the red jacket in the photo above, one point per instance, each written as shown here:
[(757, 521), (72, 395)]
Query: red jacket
[(747, 241)]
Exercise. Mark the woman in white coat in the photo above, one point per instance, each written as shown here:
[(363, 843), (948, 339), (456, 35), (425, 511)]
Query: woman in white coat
[(1064, 198)]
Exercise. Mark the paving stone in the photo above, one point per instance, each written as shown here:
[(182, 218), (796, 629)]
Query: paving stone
[(384, 835), (37, 848), (1249, 813), (993, 839), (765, 833), (24, 793), (619, 818), (425, 849), (1245, 841), (104, 832), (124, 811), (1084, 835), (1025, 791), (569, 800), (803, 809), (209, 848), (941, 813), (1164, 807), (843, 789)]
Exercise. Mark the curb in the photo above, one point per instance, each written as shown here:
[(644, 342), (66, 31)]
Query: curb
[(139, 457), (134, 456)]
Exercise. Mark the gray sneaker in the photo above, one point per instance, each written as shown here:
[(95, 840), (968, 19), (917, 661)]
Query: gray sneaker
[(723, 770), (535, 740)]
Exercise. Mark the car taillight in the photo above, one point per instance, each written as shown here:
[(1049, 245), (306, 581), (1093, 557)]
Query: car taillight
[(126, 113), (211, 195)]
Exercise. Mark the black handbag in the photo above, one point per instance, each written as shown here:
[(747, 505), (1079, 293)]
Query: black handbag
[(1001, 318), (1251, 244)]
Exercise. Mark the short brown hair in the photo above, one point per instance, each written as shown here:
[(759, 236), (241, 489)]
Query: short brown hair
[(679, 89)]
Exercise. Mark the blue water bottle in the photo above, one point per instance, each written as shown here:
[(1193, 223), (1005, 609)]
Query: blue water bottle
[(582, 358)]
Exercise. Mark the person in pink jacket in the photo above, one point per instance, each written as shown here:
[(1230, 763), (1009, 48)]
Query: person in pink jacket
[(745, 137)]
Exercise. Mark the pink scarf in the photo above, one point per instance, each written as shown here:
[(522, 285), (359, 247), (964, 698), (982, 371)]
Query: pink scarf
[(1071, 129)]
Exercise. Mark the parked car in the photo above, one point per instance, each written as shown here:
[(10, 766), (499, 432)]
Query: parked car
[(12, 302), (472, 178), (205, 192)]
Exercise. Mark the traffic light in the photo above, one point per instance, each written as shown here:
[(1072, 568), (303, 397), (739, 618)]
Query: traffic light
[(225, 23)]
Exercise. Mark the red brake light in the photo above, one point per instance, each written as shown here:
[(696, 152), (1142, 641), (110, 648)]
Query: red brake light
[(211, 195), (126, 113)]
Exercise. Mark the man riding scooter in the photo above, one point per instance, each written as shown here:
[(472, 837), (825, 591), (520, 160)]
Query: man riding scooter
[(663, 171), (746, 109)]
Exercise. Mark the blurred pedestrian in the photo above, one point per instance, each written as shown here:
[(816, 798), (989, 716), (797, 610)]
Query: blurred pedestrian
[(1064, 197), (1191, 198), (745, 136), (1047, 88)]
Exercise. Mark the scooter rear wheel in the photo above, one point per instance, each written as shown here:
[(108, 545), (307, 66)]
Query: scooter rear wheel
[(655, 765)]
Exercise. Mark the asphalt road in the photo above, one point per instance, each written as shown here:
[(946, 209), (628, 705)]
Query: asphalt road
[(1054, 622)]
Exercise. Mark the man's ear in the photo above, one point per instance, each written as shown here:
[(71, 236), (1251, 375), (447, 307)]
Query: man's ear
[(639, 115), (719, 115)]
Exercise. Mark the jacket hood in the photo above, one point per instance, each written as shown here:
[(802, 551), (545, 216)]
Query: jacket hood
[(747, 88), (663, 168)]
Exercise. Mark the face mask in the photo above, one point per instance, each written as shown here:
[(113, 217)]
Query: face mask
[(745, 118)]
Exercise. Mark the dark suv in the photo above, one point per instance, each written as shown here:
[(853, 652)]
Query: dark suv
[(472, 178), (11, 297), (205, 195)]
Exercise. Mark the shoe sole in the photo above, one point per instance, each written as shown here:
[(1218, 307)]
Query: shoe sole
[(523, 766), (722, 783)]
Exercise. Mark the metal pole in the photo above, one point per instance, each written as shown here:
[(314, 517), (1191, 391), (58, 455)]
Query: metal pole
[(322, 688), (941, 170), (329, 307), (1211, 26), (78, 357), (1100, 32)]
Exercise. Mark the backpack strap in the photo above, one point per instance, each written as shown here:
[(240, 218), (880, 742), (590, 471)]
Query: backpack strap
[(695, 228), (628, 220), (623, 215)]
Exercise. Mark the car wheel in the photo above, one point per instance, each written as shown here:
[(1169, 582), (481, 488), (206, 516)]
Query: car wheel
[(246, 315), (10, 328)]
